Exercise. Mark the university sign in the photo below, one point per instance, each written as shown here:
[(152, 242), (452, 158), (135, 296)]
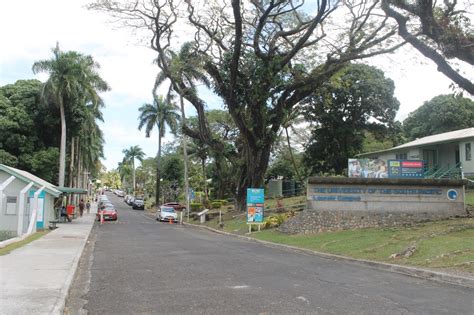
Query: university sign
[(386, 195)]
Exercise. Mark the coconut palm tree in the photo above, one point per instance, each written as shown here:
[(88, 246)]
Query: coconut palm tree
[(161, 113), (72, 76), (132, 153), (187, 66)]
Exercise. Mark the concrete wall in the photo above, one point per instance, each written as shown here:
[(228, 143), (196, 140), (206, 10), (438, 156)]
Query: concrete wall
[(347, 203), (9, 222)]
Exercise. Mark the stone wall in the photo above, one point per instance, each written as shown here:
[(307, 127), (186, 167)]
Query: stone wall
[(343, 203), (308, 222)]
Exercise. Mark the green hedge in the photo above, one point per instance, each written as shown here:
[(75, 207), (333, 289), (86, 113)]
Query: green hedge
[(196, 206), (216, 204)]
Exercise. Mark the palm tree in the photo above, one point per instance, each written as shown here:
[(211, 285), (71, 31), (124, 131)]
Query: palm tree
[(72, 76), (187, 66), (134, 152), (161, 113), (201, 151)]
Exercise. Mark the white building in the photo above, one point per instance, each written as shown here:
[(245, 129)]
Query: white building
[(442, 153), (20, 194)]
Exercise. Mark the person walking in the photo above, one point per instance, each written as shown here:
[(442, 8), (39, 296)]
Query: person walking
[(81, 207), (88, 206)]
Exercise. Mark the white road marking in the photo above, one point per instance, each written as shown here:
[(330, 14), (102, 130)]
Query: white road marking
[(237, 287), (302, 298)]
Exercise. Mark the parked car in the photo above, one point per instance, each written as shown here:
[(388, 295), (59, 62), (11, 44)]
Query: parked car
[(109, 213), (166, 213), (138, 203), (130, 200), (176, 205), (120, 193)]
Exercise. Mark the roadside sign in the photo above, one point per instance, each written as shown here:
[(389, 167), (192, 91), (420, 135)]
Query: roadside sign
[(405, 169), (255, 205)]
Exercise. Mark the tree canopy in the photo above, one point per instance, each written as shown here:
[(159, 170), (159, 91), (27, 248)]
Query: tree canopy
[(261, 58), (356, 99), (440, 30), (442, 113)]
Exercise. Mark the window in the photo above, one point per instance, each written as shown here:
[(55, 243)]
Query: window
[(11, 205), (468, 152), (401, 156)]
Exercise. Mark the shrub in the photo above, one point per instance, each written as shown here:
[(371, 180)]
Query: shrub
[(273, 221), (223, 201), (195, 206), (216, 204)]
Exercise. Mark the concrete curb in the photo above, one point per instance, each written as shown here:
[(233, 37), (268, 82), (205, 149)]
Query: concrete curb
[(59, 306), (405, 270), (14, 240)]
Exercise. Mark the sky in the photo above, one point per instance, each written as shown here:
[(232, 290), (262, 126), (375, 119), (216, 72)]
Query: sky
[(29, 29)]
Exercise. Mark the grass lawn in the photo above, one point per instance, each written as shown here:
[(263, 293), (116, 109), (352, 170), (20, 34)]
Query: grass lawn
[(446, 244), (442, 244), (29, 239), (470, 197)]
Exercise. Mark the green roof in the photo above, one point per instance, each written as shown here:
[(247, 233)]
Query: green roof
[(27, 178)]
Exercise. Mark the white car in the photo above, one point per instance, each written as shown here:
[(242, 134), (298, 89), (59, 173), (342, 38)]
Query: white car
[(167, 214)]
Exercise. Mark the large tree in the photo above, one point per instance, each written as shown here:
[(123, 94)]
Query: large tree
[(442, 113), (358, 98), (26, 138), (72, 77), (440, 30), (162, 113), (262, 57)]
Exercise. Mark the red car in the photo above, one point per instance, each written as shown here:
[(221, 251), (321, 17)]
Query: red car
[(109, 213), (176, 205)]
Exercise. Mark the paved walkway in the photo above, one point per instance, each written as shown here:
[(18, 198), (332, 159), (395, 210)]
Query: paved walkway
[(35, 278)]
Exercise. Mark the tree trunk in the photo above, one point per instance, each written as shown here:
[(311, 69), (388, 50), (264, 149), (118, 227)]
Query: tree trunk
[(185, 155), (252, 173), (133, 175), (206, 193), (71, 164), (62, 147), (158, 175), (292, 157)]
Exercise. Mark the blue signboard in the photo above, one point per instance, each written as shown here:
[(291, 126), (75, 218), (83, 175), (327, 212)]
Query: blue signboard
[(405, 169), (255, 205)]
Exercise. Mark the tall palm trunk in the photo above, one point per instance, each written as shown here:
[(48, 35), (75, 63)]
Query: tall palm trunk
[(292, 157), (71, 163), (133, 176), (158, 174), (185, 154), (206, 193), (62, 147)]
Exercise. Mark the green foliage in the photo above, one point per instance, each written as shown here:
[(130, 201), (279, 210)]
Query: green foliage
[(196, 206), (442, 113), (172, 168), (274, 221), (216, 204), (27, 137), (356, 99)]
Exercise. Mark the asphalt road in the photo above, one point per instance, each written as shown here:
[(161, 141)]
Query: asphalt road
[(141, 266)]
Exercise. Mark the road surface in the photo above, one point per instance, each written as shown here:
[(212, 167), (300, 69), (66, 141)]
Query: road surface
[(141, 266)]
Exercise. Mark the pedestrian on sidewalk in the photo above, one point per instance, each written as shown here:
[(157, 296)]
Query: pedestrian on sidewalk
[(81, 207), (88, 206)]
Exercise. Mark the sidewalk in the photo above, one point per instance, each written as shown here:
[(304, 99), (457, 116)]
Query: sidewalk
[(35, 278)]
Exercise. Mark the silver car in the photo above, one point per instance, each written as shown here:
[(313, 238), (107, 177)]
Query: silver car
[(167, 214)]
